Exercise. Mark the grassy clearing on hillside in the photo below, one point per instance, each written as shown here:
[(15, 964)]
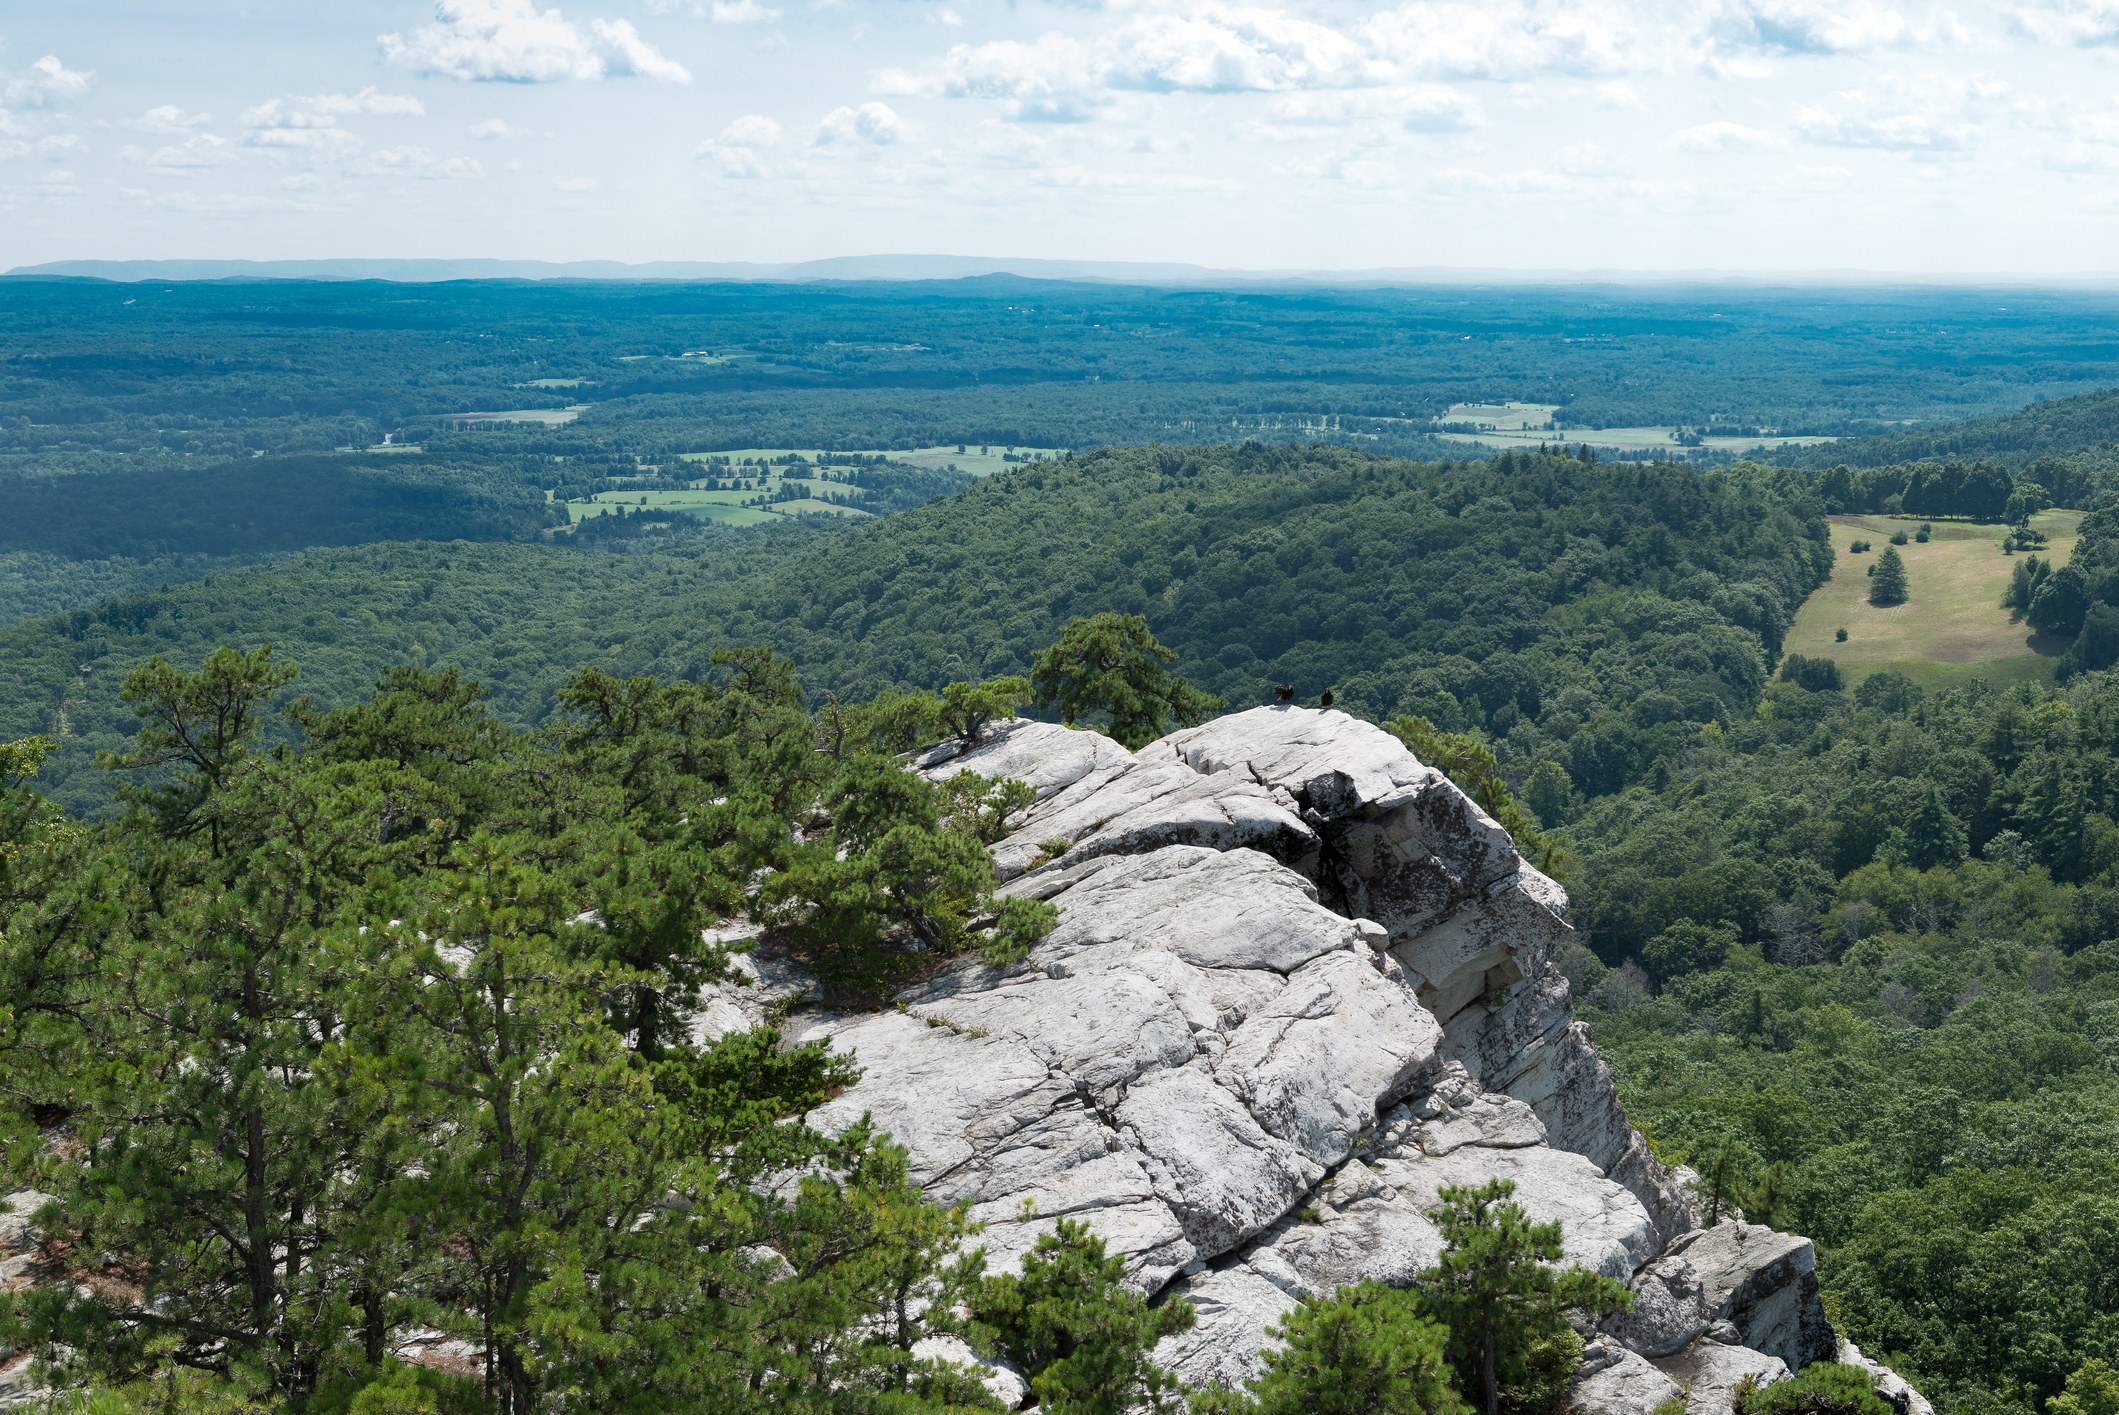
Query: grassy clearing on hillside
[(1528, 424), (725, 507), (974, 460), (1953, 628)]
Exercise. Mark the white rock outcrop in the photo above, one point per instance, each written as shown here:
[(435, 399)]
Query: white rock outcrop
[(1300, 983)]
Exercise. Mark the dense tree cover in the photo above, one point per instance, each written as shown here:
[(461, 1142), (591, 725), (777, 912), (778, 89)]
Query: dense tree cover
[(1980, 491), (1593, 613), (89, 367), (386, 1034), (336, 1050), (1855, 962), (2084, 428), (266, 504)]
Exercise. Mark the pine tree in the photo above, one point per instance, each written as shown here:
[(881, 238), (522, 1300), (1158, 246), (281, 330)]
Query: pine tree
[(1367, 1350), (1887, 583), (1505, 1308)]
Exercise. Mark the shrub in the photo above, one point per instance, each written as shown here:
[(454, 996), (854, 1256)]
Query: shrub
[(1823, 1388)]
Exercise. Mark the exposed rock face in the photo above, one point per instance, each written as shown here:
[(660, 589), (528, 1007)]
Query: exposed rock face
[(1300, 983)]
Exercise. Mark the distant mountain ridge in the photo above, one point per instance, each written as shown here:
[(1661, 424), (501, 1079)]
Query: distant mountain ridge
[(957, 267)]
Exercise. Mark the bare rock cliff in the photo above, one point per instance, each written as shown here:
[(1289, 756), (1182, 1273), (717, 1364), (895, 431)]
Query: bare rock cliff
[(1300, 982)]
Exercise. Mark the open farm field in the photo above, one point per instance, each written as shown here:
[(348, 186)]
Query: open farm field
[(722, 507), (970, 458), (1527, 424), (1953, 627), (548, 417)]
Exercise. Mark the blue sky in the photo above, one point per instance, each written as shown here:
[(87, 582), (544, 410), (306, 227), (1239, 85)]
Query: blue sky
[(1732, 134)]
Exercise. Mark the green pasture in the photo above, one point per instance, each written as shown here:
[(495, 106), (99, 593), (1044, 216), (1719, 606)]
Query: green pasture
[(973, 460), (724, 507), (1524, 425), (1952, 628)]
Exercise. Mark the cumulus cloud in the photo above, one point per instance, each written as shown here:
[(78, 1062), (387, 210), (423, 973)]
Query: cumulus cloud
[(2088, 23), (409, 161), (48, 82), (169, 119), (874, 124), (199, 151), (1939, 115), (499, 128), (1418, 108), (736, 147), (1218, 48), (741, 12), (371, 101), (1812, 27), (1723, 137), (293, 123), (512, 41)]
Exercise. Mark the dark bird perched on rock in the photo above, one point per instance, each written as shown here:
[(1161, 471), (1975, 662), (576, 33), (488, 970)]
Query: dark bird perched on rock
[(1324, 699), (1284, 692)]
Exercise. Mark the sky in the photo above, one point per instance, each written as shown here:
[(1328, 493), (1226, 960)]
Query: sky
[(1779, 135)]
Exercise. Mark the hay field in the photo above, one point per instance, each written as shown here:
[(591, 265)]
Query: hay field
[(1953, 627)]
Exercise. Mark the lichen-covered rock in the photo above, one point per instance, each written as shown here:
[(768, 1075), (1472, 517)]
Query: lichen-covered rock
[(1050, 758), (1215, 909), (1002, 1381), (1234, 1308), (1765, 1283), (1669, 1309), (1603, 1227), (1893, 1387), (1222, 1176), (1355, 1228), (1709, 1371), (1317, 1063), (1098, 1031), (1615, 1381), (1146, 806), (1299, 984)]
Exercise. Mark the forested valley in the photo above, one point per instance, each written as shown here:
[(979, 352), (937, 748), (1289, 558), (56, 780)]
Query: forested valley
[(1849, 943)]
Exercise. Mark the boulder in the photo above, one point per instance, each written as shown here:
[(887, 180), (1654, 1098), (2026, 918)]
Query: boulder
[(1900, 1396), (1050, 758), (1765, 1284), (1002, 1381), (1317, 1063), (1669, 1309), (1602, 1226), (1214, 909), (1222, 1176), (1144, 807), (1709, 1371), (1614, 1381), (1234, 1307), (17, 1233), (1353, 1228), (1097, 1031)]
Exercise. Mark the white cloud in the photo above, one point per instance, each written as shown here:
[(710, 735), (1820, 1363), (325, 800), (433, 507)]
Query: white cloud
[(945, 17), (412, 161), (741, 12), (512, 41), (370, 101), (735, 148), (2088, 23), (1723, 137), (1419, 108), (873, 123), (1511, 40), (1462, 181), (1813, 27), (499, 128), (59, 184), (574, 184), (48, 82), (200, 150), (1936, 115), (293, 124), (169, 119)]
